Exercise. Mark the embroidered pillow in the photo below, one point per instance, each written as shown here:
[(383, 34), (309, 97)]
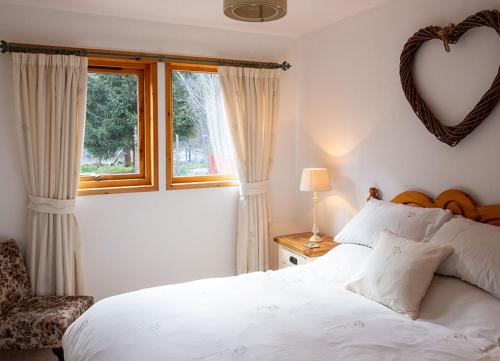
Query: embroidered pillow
[(476, 256), (418, 224), (14, 281), (398, 272)]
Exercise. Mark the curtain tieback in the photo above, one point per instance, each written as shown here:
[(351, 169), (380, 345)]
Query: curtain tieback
[(254, 188), (50, 205)]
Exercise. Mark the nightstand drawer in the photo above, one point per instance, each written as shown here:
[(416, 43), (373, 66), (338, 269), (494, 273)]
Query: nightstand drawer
[(288, 258)]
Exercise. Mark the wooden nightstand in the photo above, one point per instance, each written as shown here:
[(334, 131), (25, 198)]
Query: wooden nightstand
[(292, 250)]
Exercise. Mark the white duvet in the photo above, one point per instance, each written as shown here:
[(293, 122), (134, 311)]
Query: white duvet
[(299, 313)]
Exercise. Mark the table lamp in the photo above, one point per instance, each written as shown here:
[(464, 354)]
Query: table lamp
[(315, 180)]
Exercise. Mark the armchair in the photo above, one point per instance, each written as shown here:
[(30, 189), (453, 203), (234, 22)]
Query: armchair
[(27, 321)]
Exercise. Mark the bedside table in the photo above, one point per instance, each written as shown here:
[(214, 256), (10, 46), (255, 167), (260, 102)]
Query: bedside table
[(292, 250)]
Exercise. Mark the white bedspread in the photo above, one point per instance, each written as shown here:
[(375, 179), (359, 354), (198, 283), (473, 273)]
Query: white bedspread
[(300, 313)]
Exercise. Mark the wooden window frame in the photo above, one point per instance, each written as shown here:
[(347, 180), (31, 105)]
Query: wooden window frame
[(147, 178), (189, 182)]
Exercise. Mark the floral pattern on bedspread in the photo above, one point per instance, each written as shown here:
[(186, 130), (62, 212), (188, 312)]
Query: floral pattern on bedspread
[(40, 322)]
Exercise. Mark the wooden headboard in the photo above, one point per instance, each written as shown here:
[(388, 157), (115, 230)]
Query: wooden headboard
[(455, 200)]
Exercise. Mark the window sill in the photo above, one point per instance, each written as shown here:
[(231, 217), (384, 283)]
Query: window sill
[(112, 190), (205, 184)]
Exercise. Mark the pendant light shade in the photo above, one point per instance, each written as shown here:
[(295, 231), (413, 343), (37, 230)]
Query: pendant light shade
[(255, 10)]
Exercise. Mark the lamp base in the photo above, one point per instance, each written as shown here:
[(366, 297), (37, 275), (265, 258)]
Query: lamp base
[(315, 238)]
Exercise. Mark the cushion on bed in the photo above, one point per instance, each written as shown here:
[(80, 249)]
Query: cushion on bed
[(398, 272), (476, 256), (418, 224), (40, 322), (14, 281)]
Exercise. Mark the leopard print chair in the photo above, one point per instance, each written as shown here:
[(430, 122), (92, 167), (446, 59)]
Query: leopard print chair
[(27, 321)]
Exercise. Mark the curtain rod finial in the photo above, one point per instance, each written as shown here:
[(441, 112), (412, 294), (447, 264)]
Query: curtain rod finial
[(4, 46), (286, 65)]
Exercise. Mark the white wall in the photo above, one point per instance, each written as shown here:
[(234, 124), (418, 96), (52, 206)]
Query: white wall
[(355, 120), (133, 241)]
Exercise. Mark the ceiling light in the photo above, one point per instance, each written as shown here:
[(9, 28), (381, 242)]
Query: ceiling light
[(255, 10)]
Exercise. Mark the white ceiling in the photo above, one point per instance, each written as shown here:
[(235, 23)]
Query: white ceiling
[(303, 15)]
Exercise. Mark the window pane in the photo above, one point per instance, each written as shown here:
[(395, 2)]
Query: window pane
[(200, 136), (111, 128)]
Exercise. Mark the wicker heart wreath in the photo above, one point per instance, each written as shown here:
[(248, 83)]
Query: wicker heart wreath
[(450, 34)]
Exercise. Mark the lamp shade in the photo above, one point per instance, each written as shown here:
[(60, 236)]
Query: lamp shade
[(315, 180)]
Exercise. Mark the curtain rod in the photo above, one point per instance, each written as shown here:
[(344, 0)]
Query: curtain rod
[(6, 47)]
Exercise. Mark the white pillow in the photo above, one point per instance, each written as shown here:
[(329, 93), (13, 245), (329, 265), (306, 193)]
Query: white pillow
[(398, 272), (418, 224), (343, 262), (462, 307), (476, 258)]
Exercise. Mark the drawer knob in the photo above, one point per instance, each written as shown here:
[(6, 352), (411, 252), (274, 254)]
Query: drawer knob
[(293, 260)]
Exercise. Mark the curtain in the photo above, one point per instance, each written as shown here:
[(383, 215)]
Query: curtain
[(50, 99), (251, 102)]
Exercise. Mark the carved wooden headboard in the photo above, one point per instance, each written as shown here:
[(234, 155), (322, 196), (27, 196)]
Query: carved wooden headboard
[(455, 200)]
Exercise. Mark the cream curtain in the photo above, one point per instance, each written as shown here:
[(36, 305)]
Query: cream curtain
[(251, 101), (50, 94)]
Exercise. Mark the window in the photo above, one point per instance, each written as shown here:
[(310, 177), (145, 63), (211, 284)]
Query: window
[(199, 150), (121, 128)]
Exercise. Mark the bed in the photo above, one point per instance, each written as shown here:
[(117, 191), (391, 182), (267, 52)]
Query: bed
[(298, 313)]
